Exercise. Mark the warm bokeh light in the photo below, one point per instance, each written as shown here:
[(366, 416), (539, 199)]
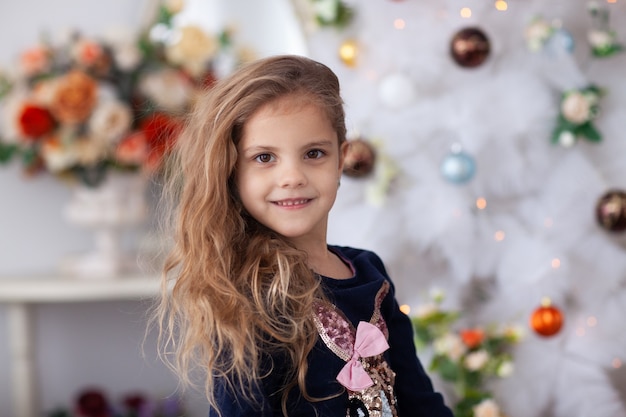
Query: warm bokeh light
[(399, 24), (499, 236), (616, 363), (501, 5), (481, 203), (405, 308), (556, 262), (548, 222), (611, 1), (466, 12), (592, 321), (348, 52)]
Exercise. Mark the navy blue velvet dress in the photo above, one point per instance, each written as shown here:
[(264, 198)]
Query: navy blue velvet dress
[(367, 296)]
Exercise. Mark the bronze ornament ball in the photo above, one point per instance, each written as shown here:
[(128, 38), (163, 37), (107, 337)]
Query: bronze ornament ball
[(611, 211), (470, 47), (360, 158)]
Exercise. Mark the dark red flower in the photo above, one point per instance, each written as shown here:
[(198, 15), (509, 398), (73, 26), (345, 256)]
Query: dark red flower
[(92, 403), (35, 121), (134, 402)]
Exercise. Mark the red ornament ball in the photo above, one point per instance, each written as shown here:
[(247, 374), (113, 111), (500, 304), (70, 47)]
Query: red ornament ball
[(360, 159), (547, 320), (470, 47), (611, 211)]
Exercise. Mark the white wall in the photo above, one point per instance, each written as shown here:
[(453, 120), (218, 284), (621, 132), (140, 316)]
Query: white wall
[(84, 343)]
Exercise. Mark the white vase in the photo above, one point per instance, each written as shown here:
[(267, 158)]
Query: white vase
[(111, 210)]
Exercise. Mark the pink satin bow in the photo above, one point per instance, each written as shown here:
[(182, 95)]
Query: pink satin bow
[(369, 341)]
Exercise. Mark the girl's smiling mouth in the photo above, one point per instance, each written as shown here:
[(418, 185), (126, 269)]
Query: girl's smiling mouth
[(292, 202)]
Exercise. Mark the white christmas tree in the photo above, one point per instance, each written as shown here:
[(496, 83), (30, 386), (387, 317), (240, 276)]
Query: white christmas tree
[(493, 156)]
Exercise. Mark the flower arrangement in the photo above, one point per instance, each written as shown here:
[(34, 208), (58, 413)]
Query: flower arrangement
[(93, 402), (82, 107), (602, 39), (578, 109), (465, 357), (538, 33), (325, 13)]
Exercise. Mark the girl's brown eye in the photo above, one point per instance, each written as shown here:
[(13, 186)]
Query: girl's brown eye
[(314, 154), (264, 158)]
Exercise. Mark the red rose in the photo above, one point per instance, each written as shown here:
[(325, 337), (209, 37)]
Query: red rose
[(35, 121), (161, 133)]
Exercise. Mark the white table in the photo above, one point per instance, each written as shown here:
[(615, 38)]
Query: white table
[(19, 294)]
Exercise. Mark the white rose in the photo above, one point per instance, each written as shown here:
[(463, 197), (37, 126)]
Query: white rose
[(599, 38), (487, 408), (110, 120), (451, 345), (476, 360), (576, 108)]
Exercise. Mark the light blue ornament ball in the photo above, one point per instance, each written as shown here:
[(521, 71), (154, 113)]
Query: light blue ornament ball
[(458, 167), (560, 43)]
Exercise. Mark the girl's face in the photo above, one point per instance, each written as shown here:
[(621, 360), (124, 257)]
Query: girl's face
[(288, 169)]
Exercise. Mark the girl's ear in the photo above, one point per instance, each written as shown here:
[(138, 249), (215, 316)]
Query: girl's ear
[(343, 152)]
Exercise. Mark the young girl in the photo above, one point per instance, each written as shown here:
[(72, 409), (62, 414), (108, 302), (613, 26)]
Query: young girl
[(277, 321)]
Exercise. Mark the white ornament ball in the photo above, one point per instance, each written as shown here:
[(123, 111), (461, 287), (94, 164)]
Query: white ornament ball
[(397, 90), (567, 139)]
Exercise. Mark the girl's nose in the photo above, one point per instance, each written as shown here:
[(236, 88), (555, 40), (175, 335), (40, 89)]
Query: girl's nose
[(291, 175)]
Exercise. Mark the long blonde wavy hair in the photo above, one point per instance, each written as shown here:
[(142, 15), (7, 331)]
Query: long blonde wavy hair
[(232, 289)]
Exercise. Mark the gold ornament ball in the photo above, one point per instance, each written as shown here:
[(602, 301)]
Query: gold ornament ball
[(360, 158), (546, 320), (470, 47), (611, 211), (348, 52)]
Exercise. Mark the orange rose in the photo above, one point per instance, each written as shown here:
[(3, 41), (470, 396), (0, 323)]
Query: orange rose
[(472, 337), (35, 60), (74, 98)]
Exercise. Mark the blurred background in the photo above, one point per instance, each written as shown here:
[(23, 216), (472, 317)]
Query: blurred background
[(487, 169)]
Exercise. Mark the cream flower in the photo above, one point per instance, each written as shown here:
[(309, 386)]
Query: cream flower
[(57, 157), (537, 33), (600, 39), (576, 108), (174, 6), (487, 408), (110, 120), (326, 9), (505, 369), (168, 89), (476, 360), (192, 49), (451, 345), (426, 310)]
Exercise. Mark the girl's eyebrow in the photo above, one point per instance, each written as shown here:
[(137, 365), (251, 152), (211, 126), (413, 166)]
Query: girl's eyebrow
[(270, 148)]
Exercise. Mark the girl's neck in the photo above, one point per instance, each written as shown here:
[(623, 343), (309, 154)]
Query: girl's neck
[(330, 265)]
